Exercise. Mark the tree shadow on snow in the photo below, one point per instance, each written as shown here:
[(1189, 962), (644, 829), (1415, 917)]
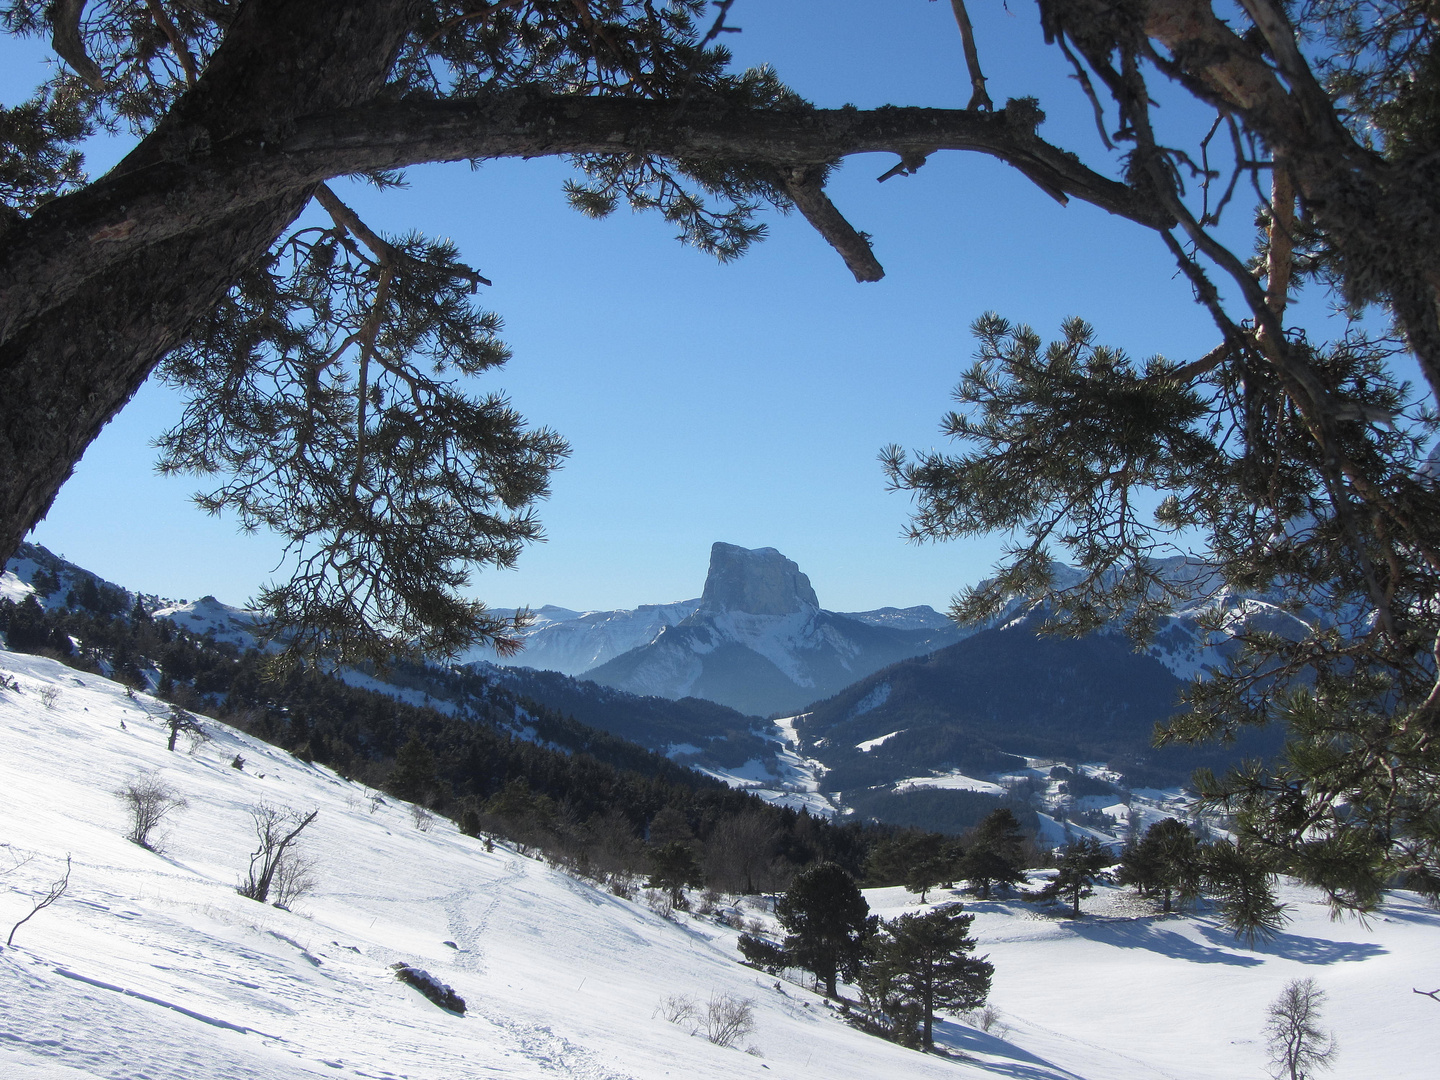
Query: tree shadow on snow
[(1141, 934), (1019, 1064), (1304, 950)]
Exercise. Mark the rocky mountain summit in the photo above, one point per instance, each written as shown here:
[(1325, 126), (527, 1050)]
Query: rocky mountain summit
[(759, 641), (757, 582)]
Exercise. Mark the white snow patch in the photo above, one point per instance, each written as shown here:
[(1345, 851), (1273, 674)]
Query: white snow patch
[(951, 781), (870, 744), (873, 700), (12, 588)]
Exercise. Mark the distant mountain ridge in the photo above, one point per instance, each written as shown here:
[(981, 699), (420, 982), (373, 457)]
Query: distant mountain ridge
[(759, 642), (1007, 692), (689, 732)]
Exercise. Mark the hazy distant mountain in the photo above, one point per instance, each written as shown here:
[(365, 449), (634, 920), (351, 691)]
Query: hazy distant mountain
[(573, 642), (759, 641), (1007, 692)]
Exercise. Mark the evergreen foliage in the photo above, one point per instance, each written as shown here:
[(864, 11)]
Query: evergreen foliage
[(1165, 862), (672, 868), (827, 923), (920, 964), (1078, 865), (414, 773), (1351, 691), (763, 954), (994, 853)]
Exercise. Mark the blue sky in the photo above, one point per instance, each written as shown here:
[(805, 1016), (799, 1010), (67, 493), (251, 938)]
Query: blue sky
[(743, 403)]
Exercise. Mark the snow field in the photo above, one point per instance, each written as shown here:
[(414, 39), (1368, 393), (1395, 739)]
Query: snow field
[(153, 967)]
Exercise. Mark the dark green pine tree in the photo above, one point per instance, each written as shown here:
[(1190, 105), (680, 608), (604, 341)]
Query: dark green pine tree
[(827, 922), (1079, 865), (673, 867), (994, 853), (1243, 884), (1317, 490), (414, 773), (26, 630), (926, 958), (1165, 862), (929, 863)]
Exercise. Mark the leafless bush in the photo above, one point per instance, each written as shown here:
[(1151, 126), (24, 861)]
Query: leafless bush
[(987, 1019), (423, 818), (1299, 1047), (148, 800), (294, 878), (53, 893), (276, 829), (623, 885), (677, 1008), (49, 696), (727, 1018), (660, 901)]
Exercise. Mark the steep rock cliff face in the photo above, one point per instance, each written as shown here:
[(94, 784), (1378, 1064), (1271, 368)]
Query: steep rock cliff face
[(759, 641)]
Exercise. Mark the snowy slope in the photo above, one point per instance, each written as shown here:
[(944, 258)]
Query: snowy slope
[(572, 642), (152, 967)]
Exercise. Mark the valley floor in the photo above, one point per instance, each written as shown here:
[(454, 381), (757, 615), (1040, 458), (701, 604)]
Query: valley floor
[(152, 967)]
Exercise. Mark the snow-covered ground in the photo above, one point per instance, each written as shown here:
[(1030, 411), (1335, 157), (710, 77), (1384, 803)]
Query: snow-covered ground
[(951, 781), (152, 967), (793, 781)]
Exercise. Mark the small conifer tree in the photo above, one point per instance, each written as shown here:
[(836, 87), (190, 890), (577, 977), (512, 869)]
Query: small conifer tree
[(994, 852), (926, 962), (414, 773), (827, 921), (1080, 863)]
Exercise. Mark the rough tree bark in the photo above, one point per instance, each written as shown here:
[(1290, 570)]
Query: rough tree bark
[(80, 333)]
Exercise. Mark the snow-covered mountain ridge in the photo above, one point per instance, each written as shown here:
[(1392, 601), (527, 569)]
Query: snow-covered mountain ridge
[(151, 966), (759, 641)]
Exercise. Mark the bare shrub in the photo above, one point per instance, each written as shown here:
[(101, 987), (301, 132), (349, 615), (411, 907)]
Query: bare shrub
[(294, 878), (660, 901), (677, 1008), (276, 829), (1299, 1047), (727, 1019), (987, 1019), (49, 696), (148, 800), (53, 893), (623, 885), (424, 820)]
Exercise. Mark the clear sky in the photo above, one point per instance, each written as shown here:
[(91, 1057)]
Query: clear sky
[(743, 403)]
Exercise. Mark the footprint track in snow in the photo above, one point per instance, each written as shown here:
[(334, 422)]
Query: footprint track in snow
[(469, 956)]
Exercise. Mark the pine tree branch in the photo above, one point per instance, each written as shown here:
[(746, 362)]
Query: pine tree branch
[(69, 44), (73, 239), (979, 99), (804, 187)]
